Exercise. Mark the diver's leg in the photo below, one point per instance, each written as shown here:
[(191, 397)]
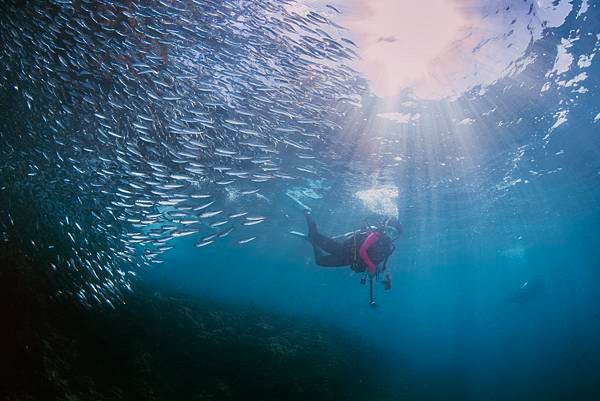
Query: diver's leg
[(328, 244), (310, 222), (329, 260), (325, 243)]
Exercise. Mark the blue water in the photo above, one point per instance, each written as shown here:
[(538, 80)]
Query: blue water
[(446, 316), (488, 207), (515, 207)]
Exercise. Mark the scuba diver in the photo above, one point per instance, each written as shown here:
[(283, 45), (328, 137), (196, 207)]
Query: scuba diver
[(363, 250)]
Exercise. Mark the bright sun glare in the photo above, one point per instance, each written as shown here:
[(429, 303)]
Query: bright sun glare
[(438, 49), (399, 41)]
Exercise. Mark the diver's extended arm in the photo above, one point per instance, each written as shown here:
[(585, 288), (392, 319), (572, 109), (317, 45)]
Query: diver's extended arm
[(371, 239)]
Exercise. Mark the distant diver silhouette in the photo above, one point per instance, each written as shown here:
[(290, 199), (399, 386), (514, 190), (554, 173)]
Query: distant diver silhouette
[(528, 291)]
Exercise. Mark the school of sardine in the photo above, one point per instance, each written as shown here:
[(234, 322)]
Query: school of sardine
[(128, 122)]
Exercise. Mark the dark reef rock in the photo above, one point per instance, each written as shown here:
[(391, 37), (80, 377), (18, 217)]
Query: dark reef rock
[(168, 347)]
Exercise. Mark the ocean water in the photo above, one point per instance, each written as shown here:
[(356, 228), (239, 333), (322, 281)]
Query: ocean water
[(517, 208), (495, 279)]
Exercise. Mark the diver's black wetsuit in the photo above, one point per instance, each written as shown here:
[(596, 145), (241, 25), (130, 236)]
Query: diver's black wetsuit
[(345, 252)]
